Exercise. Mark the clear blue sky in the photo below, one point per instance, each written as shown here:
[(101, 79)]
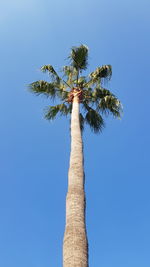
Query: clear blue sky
[(34, 153)]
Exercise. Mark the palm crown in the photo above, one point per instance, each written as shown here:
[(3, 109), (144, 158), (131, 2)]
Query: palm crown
[(94, 99)]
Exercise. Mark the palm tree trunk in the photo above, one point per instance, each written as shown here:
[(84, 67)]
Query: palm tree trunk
[(75, 246)]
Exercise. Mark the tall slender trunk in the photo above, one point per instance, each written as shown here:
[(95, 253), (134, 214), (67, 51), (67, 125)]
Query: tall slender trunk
[(75, 246)]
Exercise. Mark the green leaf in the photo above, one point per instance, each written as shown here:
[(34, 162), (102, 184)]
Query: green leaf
[(51, 71), (63, 95), (71, 73), (95, 120), (43, 87), (79, 57), (99, 93), (104, 72), (51, 90), (52, 111), (110, 104)]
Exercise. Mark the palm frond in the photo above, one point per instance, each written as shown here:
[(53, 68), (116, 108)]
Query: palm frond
[(63, 95), (99, 93), (52, 72), (87, 95), (51, 90), (82, 81), (69, 70), (71, 73), (95, 120), (110, 104), (52, 111), (43, 87), (79, 57), (104, 72), (95, 95)]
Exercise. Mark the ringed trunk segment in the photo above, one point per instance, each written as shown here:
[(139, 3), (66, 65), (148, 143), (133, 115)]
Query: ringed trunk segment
[(75, 246)]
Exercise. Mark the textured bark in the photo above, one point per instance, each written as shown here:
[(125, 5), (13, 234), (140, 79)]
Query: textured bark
[(75, 246)]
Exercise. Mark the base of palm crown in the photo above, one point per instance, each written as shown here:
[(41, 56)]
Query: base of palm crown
[(76, 91)]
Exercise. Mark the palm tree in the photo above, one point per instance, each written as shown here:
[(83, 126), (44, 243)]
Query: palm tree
[(85, 100)]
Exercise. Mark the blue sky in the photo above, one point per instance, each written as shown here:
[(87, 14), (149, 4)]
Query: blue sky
[(35, 153)]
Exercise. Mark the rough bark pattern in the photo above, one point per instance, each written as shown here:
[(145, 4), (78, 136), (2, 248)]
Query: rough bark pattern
[(75, 247)]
